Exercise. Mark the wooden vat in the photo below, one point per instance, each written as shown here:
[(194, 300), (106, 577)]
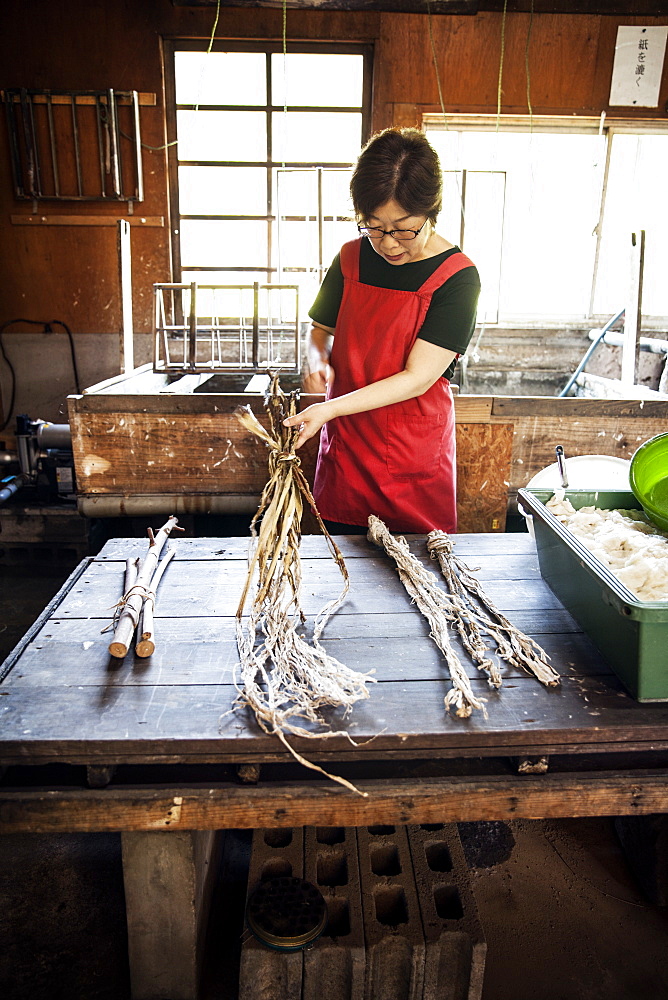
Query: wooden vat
[(147, 442)]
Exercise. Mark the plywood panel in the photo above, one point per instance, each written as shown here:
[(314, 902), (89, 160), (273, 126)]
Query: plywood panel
[(483, 471)]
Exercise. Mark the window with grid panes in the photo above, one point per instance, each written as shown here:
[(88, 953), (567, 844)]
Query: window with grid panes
[(265, 143), (547, 209)]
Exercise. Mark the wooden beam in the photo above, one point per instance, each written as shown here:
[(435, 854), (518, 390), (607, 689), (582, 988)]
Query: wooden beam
[(403, 801), (145, 221)]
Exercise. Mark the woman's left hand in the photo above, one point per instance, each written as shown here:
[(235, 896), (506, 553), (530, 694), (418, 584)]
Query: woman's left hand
[(309, 421)]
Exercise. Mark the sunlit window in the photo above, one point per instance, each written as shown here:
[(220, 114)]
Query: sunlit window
[(547, 210), (264, 142)]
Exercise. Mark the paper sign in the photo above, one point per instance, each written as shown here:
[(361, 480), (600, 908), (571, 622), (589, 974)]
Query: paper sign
[(636, 73)]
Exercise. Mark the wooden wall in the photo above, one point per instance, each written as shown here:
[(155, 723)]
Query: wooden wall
[(70, 272)]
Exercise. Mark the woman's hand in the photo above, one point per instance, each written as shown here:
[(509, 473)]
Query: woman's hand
[(309, 421), (316, 382)]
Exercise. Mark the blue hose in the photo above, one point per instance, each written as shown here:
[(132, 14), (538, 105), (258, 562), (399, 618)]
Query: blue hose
[(590, 351)]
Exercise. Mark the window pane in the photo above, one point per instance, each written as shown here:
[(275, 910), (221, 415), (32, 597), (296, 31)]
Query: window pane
[(225, 302), (636, 199), (552, 201), (223, 244), (220, 78), (222, 135), (316, 138), (223, 190), (483, 236), (317, 79), (336, 200)]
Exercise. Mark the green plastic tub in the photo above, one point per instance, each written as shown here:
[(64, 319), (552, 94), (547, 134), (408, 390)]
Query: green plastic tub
[(632, 635)]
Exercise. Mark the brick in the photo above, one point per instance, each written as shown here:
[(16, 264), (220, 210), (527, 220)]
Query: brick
[(392, 924), (265, 973), (337, 957), (455, 946)]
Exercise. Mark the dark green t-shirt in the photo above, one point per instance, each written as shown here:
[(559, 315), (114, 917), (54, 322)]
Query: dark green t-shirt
[(450, 319)]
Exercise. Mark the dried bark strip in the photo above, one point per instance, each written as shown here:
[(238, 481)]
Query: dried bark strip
[(285, 680), (437, 608), (513, 645)]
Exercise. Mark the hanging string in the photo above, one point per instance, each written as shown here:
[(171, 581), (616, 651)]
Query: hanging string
[(435, 61), (528, 72), (213, 31), (503, 53), (440, 98)]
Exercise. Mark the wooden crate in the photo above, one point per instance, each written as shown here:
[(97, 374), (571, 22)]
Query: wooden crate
[(138, 441)]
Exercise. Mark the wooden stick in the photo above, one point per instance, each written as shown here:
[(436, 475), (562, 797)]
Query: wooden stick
[(146, 635), (134, 598)]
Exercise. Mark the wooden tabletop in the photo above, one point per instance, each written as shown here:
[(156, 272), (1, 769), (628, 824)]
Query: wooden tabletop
[(64, 698), (95, 743)]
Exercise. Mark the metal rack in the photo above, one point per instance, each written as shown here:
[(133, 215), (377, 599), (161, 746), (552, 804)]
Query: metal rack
[(194, 331), (66, 146)]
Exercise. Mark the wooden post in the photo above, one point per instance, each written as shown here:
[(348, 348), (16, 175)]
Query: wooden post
[(168, 880), (127, 361), (633, 318)]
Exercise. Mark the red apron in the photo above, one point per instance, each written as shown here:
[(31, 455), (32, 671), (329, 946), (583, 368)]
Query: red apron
[(397, 462)]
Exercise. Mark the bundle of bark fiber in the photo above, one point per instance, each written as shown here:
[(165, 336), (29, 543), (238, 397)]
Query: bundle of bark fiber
[(285, 680), (466, 608)]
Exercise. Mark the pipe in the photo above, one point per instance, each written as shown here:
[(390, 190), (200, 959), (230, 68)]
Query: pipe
[(54, 435), (141, 505), (11, 486), (589, 352)]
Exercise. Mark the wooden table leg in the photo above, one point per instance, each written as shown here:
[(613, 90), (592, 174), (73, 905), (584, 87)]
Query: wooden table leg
[(168, 879)]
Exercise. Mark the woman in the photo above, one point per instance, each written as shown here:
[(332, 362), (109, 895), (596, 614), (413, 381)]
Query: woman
[(400, 302)]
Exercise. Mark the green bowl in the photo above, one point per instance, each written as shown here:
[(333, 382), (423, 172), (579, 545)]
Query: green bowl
[(649, 478)]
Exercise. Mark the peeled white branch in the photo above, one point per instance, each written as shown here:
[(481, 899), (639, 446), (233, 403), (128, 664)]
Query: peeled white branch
[(146, 632), (133, 598)]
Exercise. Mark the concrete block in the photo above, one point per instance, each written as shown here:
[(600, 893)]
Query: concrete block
[(264, 973), (168, 878), (337, 957), (455, 946), (392, 924)]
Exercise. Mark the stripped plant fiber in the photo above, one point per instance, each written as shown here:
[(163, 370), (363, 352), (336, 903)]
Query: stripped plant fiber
[(478, 616), (439, 610), (285, 680)]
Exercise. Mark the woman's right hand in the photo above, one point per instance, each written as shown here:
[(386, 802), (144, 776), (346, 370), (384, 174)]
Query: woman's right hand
[(319, 372), (316, 382)]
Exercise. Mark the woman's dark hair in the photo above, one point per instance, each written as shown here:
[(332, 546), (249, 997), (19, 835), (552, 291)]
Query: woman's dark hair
[(398, 164)]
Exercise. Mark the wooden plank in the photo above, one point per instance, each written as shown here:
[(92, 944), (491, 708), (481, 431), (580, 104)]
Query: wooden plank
[(72, 654), (143, 221), (511, 407), (473, 409), (87, 724), (513, 547), (145, 100), (216, 587), (404, 801)]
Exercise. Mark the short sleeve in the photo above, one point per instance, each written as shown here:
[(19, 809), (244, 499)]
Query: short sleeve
[(451, 317), (325, 309)]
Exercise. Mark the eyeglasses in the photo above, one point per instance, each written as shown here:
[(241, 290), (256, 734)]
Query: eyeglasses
[(396, 234)]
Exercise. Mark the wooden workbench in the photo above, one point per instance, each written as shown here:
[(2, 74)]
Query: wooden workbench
[(154, 748), (162, 737)]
